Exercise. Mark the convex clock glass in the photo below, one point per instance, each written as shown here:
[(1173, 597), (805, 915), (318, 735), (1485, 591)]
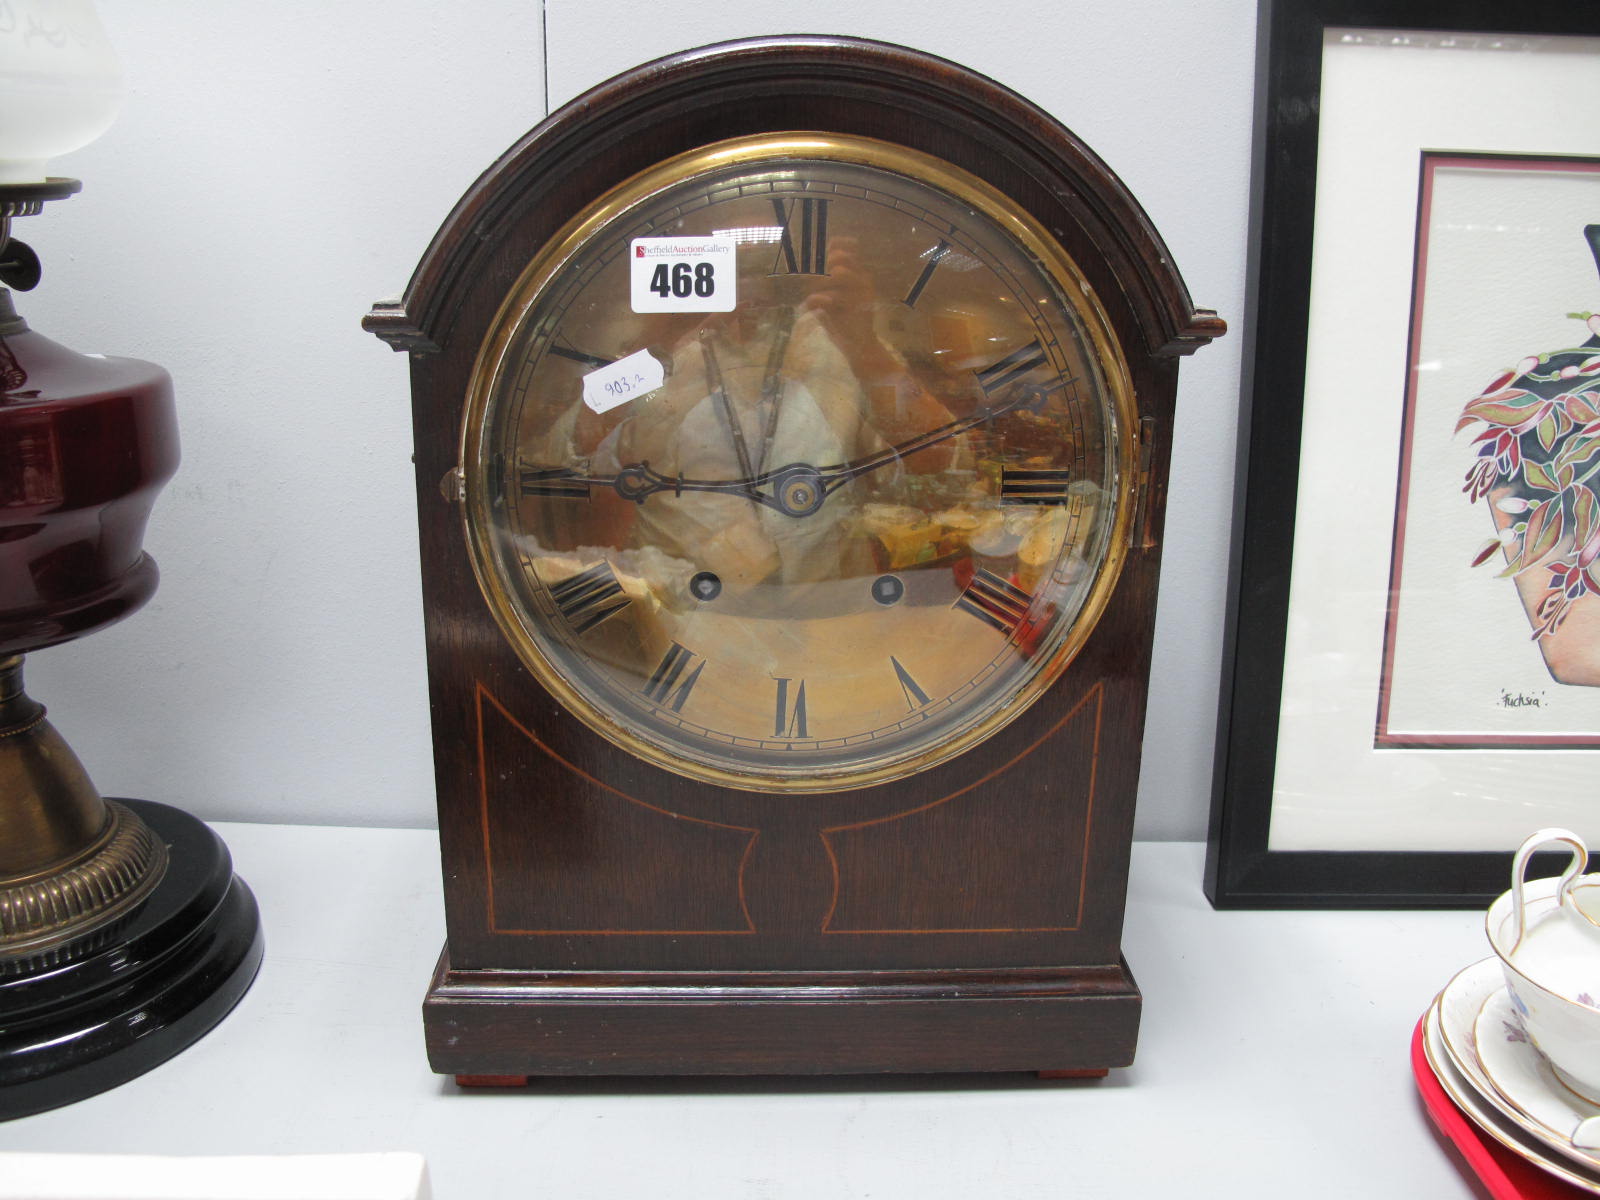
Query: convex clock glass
[(872, 508)]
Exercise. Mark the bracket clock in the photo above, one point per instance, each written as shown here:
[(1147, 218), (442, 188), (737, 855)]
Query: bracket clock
[(792, 417)]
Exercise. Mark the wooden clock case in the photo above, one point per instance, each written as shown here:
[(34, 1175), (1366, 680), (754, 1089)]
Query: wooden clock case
[(606, 916)]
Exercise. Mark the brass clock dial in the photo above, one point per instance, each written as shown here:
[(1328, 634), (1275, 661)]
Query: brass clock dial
[(869, 514)]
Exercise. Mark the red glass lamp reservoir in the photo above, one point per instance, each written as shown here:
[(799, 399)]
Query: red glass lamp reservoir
[(86, 443)]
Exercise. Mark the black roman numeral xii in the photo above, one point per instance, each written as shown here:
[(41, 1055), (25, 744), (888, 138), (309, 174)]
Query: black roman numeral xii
[(803, 240)]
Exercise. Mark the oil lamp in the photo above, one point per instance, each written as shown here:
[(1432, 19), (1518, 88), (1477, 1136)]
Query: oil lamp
[(124, 934)]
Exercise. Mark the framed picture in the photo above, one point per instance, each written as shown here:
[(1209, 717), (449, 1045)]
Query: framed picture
[(1406, 689)]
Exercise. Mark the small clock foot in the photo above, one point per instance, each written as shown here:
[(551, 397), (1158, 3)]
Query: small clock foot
[(492, 1081), (1086, 1073)]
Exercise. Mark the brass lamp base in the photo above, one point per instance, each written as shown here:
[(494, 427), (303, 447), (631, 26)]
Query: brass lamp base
[(47, 919), (130, 997), (70, 864), (124, 934)]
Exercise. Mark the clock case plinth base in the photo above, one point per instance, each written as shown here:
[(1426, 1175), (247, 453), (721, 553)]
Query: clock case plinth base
[(515, 1023)]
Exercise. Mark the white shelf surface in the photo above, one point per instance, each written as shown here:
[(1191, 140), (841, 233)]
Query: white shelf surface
[(1273, 1061)]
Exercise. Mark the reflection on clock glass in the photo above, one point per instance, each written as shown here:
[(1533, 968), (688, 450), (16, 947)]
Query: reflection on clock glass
[(870, 512)]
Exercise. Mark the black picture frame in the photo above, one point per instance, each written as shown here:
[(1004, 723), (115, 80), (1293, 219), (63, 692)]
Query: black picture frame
[(1241, 872)]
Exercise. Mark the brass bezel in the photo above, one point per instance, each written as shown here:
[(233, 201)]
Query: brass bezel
[(549, 261)]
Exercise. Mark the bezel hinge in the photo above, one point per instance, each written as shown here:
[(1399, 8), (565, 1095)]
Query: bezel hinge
[(1146, 506)]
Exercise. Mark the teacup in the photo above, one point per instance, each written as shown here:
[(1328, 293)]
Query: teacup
[(1546, 933)]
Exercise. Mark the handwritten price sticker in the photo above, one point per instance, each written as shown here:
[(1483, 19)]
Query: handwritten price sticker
[(626, 379), (683, 275)]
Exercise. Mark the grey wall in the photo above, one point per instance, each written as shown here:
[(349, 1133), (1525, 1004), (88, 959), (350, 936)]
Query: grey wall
[(278, 168)]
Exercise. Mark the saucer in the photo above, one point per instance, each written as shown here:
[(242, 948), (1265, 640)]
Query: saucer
[(1525, 1078), (1488, 1119), (1459, 1006)]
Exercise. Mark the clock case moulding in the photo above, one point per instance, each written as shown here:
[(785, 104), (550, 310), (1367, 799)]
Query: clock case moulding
[(966, 918)]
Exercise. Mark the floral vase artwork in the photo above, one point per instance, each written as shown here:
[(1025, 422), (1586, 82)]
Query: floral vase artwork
[(1538, 465)]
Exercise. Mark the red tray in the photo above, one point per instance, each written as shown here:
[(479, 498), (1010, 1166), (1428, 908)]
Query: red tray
[(1506, 1176)]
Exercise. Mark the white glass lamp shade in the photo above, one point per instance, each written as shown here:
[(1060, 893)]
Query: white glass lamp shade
[(60, 83)]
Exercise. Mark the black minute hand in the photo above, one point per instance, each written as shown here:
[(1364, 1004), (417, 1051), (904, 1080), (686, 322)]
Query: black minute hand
[(799, 489), (834, 476)]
